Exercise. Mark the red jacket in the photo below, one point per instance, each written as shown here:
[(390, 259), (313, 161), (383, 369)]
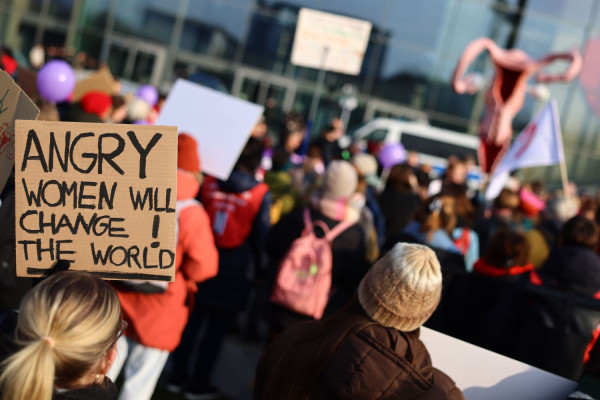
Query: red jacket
[(158, 320)]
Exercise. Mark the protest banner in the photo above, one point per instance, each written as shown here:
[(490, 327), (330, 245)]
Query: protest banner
[(484, 375), (99, 197), (101, 80), (330, 42), (220, 123), (14, 104)]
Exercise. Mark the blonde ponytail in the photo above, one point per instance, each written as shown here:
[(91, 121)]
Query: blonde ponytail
[(442, 215), (29, 373), (66, 325)]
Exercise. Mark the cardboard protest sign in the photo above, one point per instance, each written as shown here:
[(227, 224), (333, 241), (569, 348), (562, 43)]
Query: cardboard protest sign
[(101, 80), (101, 197), (14, 104), (485, 375), (220, 123), (27, 81), (329, 41)]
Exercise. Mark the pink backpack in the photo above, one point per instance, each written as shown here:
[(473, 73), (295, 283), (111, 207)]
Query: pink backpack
[(304, 279)]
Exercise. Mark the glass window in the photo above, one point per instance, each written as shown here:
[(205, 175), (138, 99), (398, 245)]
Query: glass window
[(88, 46), (94, 14), (150, 19), (27, 34), (269, 40), (215, 28), (574, 11), (537, 37), (403, 75), (413, 142), (418, 23), (61, 8), (31, 5), (54, 37), (378, 135)]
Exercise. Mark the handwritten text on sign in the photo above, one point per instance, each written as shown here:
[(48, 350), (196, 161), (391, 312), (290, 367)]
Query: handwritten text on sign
[(101, 197)]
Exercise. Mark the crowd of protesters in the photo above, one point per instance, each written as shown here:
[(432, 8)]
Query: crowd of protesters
[(519, 275)]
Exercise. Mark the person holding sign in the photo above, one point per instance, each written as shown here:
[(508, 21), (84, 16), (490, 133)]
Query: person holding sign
[(157, 319), (66, 335)]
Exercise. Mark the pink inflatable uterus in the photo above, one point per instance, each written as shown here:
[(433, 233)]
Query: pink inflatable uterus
[(506, 94)]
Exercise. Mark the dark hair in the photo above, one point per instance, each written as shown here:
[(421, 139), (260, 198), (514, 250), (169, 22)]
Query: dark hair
[(506, 249), (251, 156), (579, 231), (280, 160), (507, 199), (465, 211), (327, 129), (399, 178), (118, 101)]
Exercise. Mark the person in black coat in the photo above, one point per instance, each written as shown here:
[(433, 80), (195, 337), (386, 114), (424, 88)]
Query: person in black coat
[(349, 264), (399, 201)]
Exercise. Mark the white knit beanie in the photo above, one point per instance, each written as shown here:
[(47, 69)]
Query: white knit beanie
[(402, 289), (340, 180)]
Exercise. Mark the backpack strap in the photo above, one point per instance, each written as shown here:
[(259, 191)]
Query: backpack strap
[(339, 228), (308, 225)]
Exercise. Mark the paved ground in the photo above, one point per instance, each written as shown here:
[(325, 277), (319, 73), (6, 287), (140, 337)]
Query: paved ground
[(234, 371)]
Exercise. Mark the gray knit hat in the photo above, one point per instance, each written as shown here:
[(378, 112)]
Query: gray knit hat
[(403, 288), (340, 180)]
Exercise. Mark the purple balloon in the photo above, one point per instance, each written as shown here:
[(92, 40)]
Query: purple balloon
[(392, 154), (56, 81), (141, 122), (148, 93)]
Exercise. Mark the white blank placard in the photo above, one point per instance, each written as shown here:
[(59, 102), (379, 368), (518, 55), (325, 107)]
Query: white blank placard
[(219, 122)]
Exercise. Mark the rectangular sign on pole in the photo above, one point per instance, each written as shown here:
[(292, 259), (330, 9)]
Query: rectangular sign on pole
[(330, 42), (14, 104), (220, 123), (100, 197)]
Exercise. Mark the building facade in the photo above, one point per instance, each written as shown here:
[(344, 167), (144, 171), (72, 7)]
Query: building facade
[(244, 47)]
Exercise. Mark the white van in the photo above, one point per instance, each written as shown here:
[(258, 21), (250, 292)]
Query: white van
[(434, 145)]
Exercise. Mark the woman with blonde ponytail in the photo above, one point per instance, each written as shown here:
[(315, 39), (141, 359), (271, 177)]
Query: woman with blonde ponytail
[(66, 332)]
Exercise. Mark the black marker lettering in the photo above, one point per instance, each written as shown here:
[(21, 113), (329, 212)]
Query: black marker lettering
[(64, 160), (109, 156), (143, 151), (33, 138), (91, 156)]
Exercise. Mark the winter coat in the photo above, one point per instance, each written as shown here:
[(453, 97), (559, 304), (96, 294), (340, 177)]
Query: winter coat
[(238, 266), (368, 361), (157, 320), (575, 268), (106, 391), (398, 208)]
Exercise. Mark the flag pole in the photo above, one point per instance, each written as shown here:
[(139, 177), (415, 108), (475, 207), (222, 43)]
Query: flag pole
[(563, 164)]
